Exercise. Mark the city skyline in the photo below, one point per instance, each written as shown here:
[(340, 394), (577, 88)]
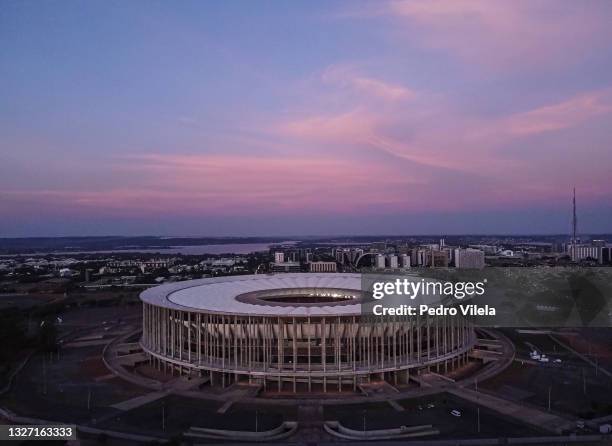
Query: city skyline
[(441, 117)]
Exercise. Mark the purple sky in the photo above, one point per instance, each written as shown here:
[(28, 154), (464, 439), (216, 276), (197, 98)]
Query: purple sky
[(277, 118)]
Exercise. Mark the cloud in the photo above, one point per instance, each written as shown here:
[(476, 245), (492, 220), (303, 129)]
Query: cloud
[(505, 35), (435, 138), (352, 127), (347, 76), (225, 185), (562, 115)]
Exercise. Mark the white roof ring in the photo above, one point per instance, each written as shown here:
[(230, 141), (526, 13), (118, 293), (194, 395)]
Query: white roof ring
[(308, 294)]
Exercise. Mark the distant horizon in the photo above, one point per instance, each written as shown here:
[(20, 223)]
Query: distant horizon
[(300, 238)]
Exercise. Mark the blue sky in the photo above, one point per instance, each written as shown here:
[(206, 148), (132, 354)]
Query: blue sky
[(276, 118)]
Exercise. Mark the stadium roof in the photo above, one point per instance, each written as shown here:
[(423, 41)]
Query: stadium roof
[(226, 295)]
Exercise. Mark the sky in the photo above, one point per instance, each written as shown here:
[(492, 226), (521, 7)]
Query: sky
[(250, 118)]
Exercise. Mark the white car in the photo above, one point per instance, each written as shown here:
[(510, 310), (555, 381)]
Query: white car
[(455, 413), (558, 361)]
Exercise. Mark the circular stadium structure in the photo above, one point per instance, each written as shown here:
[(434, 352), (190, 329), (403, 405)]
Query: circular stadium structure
[(299, 332)]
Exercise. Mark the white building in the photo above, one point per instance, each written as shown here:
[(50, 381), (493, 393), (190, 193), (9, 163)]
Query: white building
[(66, 272), (279, 257), (469, 258), (379, 261), (583, 252), (322, 267)]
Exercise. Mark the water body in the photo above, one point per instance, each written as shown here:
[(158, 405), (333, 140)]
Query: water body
[(227, 248)]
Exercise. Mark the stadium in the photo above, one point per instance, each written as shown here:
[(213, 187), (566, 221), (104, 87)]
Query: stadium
[(294, 333)]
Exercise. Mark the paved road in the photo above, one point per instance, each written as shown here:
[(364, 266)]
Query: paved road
[(528, 415)]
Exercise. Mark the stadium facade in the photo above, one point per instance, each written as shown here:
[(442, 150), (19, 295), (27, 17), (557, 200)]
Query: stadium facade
[(292, 332)]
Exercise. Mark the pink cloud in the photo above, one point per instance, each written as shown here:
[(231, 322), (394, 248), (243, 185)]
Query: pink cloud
[(227, 185), (382, 89), (231, 185), (568, 113), (436, 138), (354, 127), (505, 34), (347, 76)]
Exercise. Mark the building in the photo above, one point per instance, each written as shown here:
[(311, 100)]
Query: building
[(285, 267), (292, 332), (355, 254), (405, 261), (487, 249), (279, 257), (432, 257), (339, 255), (379, 261), (292, 256), (322, 267), (580, 252), (66, 272), (469, 258), (392, 261)]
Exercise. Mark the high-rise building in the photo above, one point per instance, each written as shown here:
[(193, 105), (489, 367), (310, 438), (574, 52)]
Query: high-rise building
[(392, 261), (405, 261), (279, 257), (437, 259), (469, 258), (355, 254), (339, 255), (379, 261)]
